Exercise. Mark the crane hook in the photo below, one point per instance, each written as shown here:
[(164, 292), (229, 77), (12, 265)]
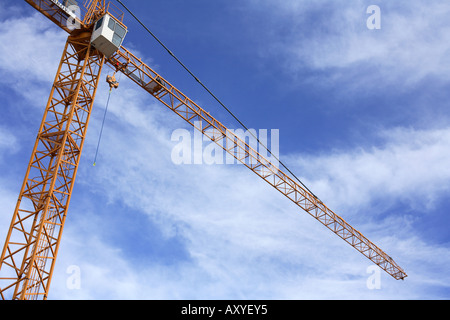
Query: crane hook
[(113, 83)]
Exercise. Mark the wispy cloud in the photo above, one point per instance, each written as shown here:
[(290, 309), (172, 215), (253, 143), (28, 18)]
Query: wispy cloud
[(332, 37), (30, 63), (408, 165), (233, 226), (239, 238), (8, 142)]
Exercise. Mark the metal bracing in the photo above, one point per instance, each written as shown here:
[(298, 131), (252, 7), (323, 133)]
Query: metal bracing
[(34, 236), (187, 109)]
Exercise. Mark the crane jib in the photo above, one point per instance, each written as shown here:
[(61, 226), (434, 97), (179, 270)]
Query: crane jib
[(133, 67), (65, 9)]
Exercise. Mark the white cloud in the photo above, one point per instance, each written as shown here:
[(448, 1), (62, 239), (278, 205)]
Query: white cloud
[(31, 49), (36, 53), (242, 238), (8, 142), (410, 166), (412, 44), (8, 202), (235, 227)]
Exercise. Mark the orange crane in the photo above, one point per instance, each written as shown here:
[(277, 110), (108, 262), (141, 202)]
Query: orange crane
[(95, 38)]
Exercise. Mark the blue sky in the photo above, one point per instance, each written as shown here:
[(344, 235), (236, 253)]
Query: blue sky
[(363, 120)]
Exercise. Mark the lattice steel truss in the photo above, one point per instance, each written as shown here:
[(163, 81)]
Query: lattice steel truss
[(33, 239), (143, 75)]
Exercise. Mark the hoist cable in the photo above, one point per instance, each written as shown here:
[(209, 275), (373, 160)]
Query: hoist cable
[(103, 124)]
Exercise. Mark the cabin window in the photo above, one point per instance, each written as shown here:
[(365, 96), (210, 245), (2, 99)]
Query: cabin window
[(111, 24), (120, 31), (99, 23), (119, 34)]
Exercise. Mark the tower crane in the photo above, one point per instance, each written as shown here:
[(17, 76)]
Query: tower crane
[(95, 37)]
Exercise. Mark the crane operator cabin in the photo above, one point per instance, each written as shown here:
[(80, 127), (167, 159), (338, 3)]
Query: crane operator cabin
[(108, 35)]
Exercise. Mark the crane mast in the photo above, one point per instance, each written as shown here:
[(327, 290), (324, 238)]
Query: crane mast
[(33, 239), (29, 255)]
